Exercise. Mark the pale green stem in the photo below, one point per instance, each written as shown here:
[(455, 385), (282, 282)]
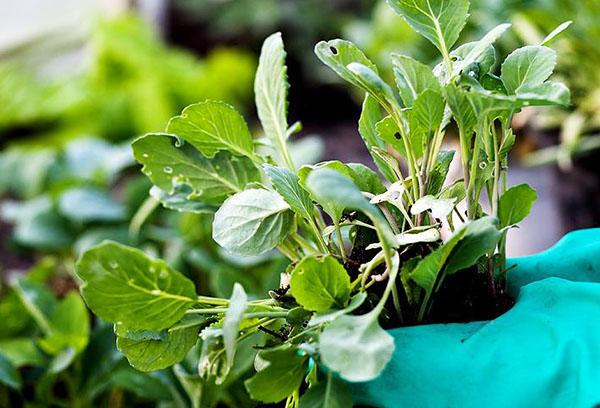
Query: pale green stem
[(340, 239), (141, 215)]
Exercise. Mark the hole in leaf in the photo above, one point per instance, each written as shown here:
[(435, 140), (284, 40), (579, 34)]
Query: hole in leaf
[(333, 50), (397, 135)]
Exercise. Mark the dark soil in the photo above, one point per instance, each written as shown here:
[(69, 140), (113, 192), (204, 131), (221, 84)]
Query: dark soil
[(466, 296)]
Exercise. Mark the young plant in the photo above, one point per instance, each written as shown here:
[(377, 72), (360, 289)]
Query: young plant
[(362, 253)]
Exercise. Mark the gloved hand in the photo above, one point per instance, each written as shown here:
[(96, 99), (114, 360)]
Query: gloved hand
[(544, 352)]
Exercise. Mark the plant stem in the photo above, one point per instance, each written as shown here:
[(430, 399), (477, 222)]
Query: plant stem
[(318, 236), (212, 301), (303, 243), (494, 196), (288, 251), (141, 215), (340, 239), (471, 194)]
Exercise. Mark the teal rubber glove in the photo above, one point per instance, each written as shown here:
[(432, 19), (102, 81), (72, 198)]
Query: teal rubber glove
[(544, 352)]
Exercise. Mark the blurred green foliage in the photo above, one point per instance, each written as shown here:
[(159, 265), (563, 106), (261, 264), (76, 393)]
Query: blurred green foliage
[(133, 84)]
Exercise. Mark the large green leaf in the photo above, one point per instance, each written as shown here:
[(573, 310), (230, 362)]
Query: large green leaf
[(270, 90), (515, 204), (412, 78), (280, 376), (121, 284), (440, 21), (150, 351), (369, 117), (287, 184), (320, 284), (167, 161), (480, 237), (527, 67), (356, 347), (212, 126), (252, 222)]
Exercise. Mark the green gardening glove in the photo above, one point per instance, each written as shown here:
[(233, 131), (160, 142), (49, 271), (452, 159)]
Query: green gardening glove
[(544, 352)]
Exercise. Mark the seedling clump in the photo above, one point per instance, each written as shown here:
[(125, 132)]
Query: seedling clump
[(364, 253)]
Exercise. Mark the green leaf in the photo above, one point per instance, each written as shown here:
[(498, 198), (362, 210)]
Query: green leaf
[(338, 54), (90, 204), (473, 52), (440, 21), (122, 284), (527, 67), (557, 31), (287, 184), (150, 351), (320, 284), (424, 118), (182, 200), (365, 178), (22, 351), (280, 376), (427, 270), (69, 326), (515, 204), (146, 386), (270, 90), (168, 161), (331, 393), (439, 207), (320, 318), (334, 210), (369, 117), (548, 93), (37, 224), (480, 237), (438, 173), (413, 78), (231, 323), (252, 222), (356, 347), (462, 110), (212, 126), (38, 300), (427, 111), (371, 82), (387, 130), (8, 374), (333, 188)]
